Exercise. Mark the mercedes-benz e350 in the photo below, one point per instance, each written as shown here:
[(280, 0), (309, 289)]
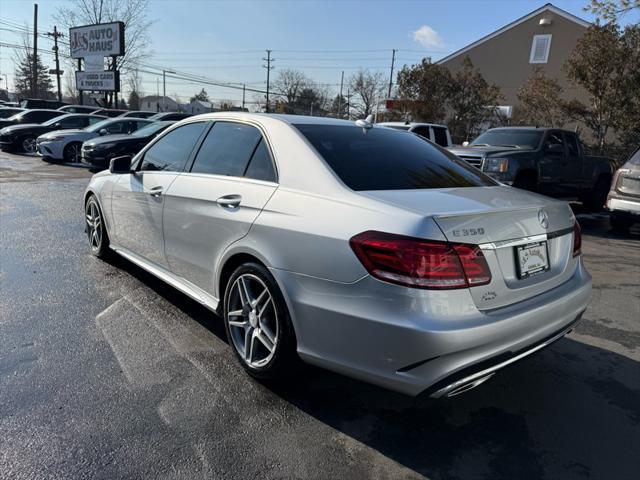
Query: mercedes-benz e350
[(359, 248)]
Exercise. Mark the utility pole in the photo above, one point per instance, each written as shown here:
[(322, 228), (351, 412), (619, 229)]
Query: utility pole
[(268, 67), (80, 93), (55, 36), (393, 61), (348, 104), (243, 91), (340, 97), (164, 87), (34, 74)]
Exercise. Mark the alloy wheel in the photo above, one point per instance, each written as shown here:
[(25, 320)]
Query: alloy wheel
[(252, 320), (29, 145), (94, 225), (74, 153)]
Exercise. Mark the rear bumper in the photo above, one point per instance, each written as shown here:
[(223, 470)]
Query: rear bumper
[(623, 207), (415, 341)]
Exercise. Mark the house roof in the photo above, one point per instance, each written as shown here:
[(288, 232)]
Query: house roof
[(548, 7), (156, 98), (203, 103)]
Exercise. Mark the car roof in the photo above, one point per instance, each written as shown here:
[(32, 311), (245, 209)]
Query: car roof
[(521, 127), (266, 118)]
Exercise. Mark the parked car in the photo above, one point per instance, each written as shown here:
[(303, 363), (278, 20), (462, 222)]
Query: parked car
[(355, 247), (109, 112), (100, 150), (23, 137), (169, 116), (66, 144), (6, 112), (29, 116), (138, 114), (437, 133), (78, 109), (623, 200), (41, 103), (544, 160)]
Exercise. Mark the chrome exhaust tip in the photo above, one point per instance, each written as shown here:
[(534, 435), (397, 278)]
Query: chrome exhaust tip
[(465, 387)]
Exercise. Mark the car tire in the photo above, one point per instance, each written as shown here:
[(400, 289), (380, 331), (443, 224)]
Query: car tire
[(526, 182), (28, 144), (620, 225), (95, 228), (71, 152), (595, 199), (258, 324)]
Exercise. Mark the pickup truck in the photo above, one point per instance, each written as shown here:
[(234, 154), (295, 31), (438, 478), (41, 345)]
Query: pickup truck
[(545, 160)]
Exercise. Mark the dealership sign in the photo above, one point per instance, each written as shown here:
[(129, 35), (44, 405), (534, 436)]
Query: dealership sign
[(104, 39), (107, 81)]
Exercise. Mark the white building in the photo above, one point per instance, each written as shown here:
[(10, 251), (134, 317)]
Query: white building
[(154, 103), (199, 106)]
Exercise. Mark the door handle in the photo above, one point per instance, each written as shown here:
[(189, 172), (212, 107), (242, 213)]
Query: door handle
[(229, 201), (155, 191)]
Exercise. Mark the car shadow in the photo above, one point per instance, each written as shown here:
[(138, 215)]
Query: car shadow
[(570, 411)]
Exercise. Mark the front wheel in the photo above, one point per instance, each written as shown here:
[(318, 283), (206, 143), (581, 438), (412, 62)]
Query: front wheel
[(258, 325), (96, 232), (71, 152)]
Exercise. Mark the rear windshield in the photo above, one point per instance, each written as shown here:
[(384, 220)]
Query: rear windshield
[(384, 159)]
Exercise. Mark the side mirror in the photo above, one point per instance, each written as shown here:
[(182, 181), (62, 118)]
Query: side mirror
[(555, 149), (120, 164), (465, 144), (57, 126), (103, 132)]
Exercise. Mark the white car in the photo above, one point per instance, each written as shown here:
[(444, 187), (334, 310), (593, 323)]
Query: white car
[(438, 134), (67, 144)]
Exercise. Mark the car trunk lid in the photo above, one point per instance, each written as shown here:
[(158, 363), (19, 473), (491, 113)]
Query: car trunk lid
[(501, 220)]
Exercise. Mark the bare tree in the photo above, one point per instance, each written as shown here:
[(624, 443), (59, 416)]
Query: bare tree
[(368, 89), (287, 87)]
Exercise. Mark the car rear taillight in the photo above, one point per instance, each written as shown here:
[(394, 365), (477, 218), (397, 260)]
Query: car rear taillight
[(418, 263), (577, 239)]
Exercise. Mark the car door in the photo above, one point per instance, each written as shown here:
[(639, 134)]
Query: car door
[(217, 201), (138, 198), (553, 164)]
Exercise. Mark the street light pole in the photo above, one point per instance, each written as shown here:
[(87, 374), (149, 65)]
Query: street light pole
[(164, 87)]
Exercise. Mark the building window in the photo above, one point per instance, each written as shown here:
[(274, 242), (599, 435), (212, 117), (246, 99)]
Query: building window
[(540, 49)]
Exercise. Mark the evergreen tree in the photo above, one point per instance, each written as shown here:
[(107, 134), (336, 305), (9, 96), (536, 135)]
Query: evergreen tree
[(24, 78)]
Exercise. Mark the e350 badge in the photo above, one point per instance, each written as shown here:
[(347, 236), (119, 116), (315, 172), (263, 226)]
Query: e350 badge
[(467, 232)]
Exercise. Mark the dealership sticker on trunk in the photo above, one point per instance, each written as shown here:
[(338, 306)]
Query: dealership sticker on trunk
[(531, 259)]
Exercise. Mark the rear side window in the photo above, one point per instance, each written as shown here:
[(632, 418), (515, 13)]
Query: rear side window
[(440, 136), (171, 152), (261, 166), (384, 159), (572, 144), (422, 131), (227, 149)]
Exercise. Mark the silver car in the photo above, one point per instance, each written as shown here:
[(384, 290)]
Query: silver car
[(358, 248), (623, 200)]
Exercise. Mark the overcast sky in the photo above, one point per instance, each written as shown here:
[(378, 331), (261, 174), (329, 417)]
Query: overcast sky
[(226, 40)]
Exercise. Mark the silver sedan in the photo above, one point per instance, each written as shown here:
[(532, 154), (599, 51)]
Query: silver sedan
[(362, 249)]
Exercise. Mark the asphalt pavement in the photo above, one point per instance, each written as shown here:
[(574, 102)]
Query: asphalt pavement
[(106, 373)]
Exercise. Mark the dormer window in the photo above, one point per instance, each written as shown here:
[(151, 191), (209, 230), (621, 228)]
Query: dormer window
[(540, 49)]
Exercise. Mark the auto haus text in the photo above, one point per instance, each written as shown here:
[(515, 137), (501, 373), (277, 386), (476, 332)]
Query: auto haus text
[(94, 41)]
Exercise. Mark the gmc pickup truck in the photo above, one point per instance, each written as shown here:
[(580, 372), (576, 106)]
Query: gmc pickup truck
[(544, 160)]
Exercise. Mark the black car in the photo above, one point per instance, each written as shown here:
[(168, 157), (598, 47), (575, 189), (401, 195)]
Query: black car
[(78, 109), (22, 137), (99, 151), (29, 116), (41, 103), (165, 116), (6, 112)]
